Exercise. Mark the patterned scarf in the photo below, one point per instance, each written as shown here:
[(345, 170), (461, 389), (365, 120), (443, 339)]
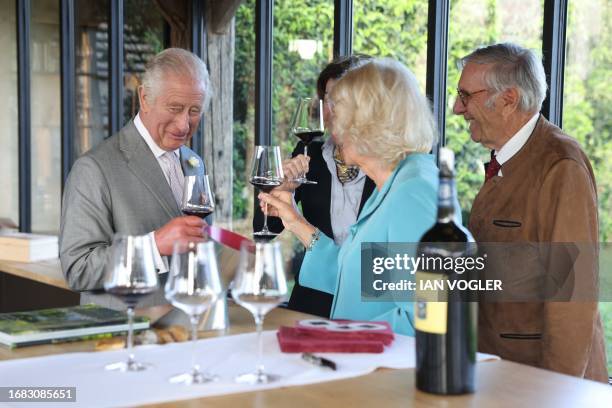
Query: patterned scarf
[(345, 172)]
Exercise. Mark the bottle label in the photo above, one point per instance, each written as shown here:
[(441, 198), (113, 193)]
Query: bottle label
[(431, 308)]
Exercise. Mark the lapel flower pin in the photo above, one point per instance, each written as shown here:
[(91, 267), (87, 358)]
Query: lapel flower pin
[(193, 161)]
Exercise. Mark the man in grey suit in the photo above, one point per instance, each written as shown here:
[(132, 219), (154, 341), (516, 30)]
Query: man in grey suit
[(132, 182)]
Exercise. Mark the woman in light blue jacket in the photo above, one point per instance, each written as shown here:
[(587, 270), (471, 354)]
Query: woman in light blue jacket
[(383, 124)]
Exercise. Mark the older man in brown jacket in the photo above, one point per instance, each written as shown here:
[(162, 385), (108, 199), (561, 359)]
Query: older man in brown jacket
[(539, 188)]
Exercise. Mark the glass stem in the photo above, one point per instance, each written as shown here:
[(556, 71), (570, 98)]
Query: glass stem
[(130, 339), (194, 336), (265, 226), (259, 324), (305, 154)]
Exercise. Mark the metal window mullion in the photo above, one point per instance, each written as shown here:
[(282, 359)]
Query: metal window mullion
[(197, 47), (23, 9), (264, 24), (437, 44), (115, 51), (343, 27), (553, 52), (68, 86)]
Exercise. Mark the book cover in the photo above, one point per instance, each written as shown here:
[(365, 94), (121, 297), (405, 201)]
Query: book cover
[(63, 324), (25, 247)]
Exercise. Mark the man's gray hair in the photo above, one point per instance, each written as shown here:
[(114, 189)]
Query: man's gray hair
[(179, 62), (513, 67)]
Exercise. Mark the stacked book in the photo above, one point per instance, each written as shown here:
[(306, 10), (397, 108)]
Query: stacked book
[(83, 322)]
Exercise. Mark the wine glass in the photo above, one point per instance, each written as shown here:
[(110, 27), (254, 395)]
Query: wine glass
[(197, 196), (259, 286), (266, 174), (307, 123), (193, 285), (130, 276)]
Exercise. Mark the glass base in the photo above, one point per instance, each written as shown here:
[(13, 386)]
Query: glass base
[(303, 180), (266, 233), (193, 377), (128, 366), (257, 378)]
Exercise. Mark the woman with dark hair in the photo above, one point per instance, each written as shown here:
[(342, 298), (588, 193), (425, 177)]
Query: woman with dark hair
[(334, 203)]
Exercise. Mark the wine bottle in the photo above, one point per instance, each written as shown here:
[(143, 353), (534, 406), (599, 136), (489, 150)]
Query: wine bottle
[(445, 322)]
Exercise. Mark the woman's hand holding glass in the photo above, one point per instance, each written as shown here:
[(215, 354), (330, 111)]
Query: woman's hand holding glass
[(281, 204), (293, 169)]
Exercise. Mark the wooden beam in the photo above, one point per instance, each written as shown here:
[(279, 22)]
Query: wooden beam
[(217, 124), (221, 14)]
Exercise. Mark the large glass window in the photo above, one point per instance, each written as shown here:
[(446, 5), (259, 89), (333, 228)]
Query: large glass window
[(143, 37), (46, 115), (475, 23), (587, 112), (587, 95), (395, 29), (9, 158), (303, 45), (244, 116), (92, 67)]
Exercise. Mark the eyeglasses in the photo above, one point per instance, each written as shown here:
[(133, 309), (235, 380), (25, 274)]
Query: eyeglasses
[(465, 96)]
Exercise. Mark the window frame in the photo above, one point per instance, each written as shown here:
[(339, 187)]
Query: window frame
[(553, 50)]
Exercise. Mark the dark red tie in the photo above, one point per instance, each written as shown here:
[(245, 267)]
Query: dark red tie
[(492, 168)]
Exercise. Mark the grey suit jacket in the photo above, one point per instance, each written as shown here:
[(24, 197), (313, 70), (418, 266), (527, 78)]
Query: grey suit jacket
[(116, 188)]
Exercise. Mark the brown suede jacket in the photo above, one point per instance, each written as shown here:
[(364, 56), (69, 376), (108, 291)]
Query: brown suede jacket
[(546, 193)]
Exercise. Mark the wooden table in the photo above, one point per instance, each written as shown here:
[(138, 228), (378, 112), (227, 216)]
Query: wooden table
[(34, 285), (48, 272), (499, 383)]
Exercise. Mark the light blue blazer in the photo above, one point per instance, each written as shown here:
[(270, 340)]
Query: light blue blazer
[(402, 211)]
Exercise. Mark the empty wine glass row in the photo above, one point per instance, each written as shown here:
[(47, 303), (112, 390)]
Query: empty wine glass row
[(193, 285)]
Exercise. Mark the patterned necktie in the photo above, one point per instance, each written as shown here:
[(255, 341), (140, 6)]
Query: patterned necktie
[(175, 176), (345, 173), (492, 167)]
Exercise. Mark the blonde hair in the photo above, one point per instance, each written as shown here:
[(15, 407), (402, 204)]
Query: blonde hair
[(379, 109)]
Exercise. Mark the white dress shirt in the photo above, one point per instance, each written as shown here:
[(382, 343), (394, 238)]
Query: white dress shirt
[(516, 142), (345, 198), (161, 263)]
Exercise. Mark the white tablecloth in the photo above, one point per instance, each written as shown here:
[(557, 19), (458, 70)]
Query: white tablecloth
[(224, 356)]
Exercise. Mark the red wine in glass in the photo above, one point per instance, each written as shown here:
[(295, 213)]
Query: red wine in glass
[(308, 137), (307, 123), (198, 212), (130, 275), (130, 295), (197, 196), (266, 174), (265, 184)]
